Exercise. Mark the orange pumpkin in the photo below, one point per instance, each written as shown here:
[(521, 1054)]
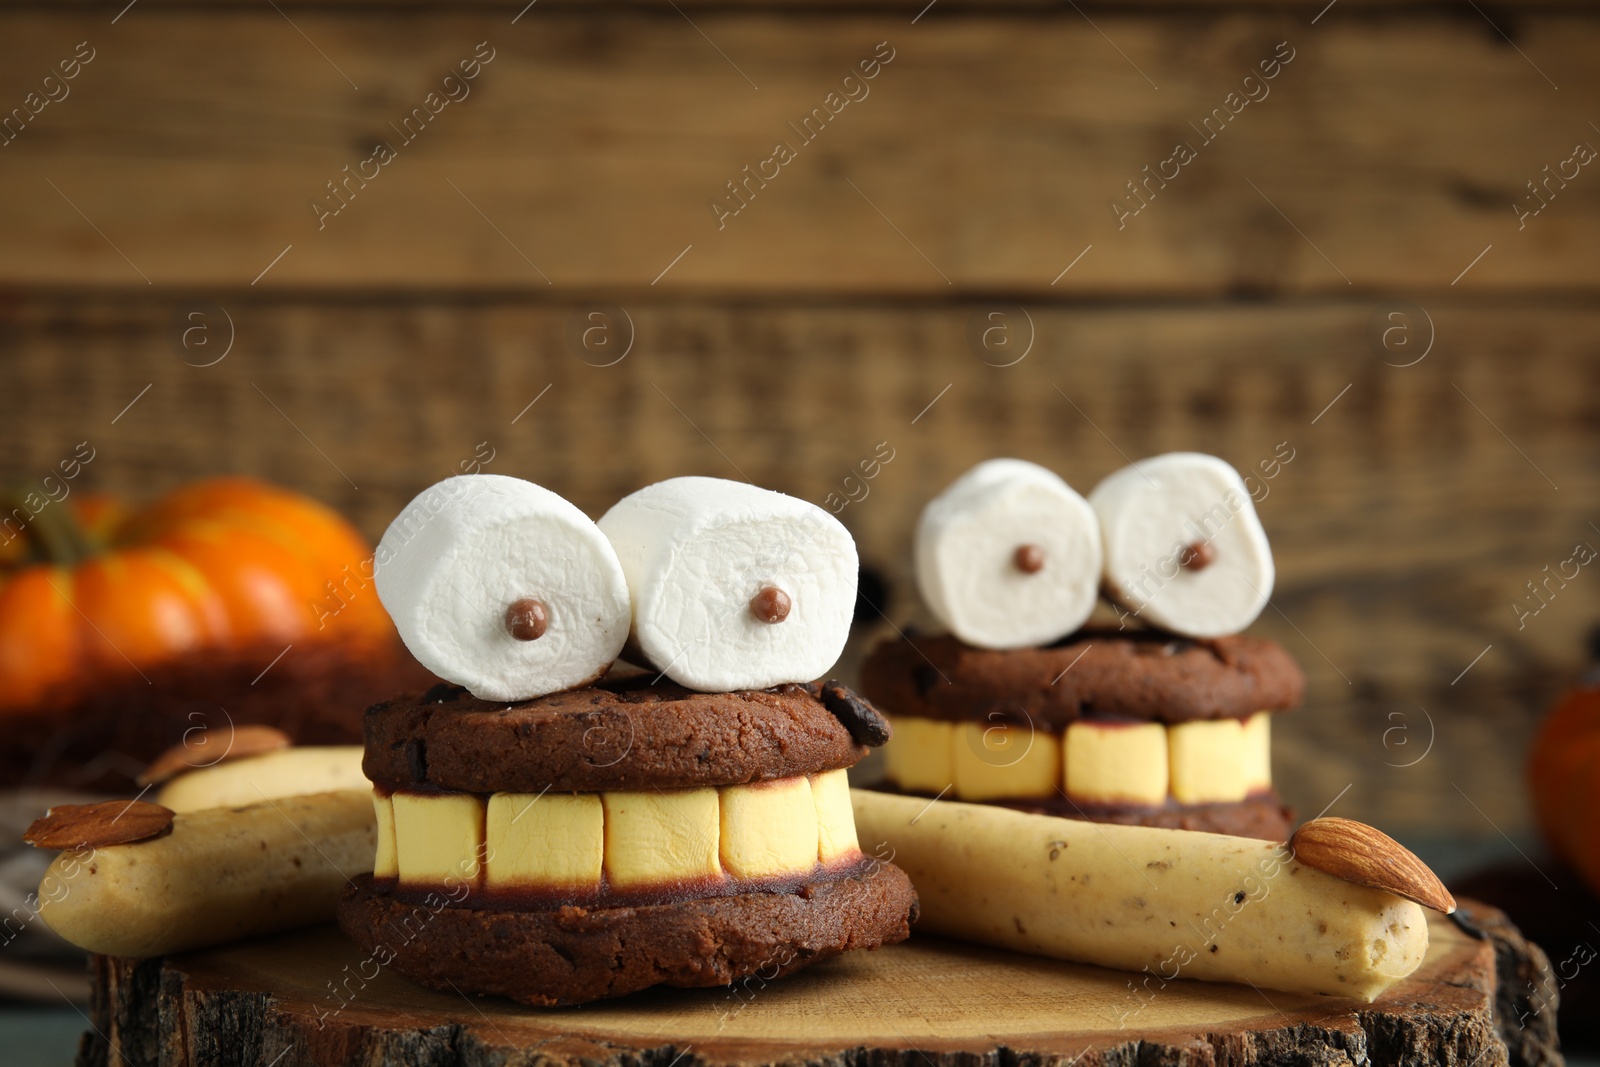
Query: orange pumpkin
[(230, 563), (1564, 778)]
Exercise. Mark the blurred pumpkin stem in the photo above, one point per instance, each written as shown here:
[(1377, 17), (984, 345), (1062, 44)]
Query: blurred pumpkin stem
[(54, 532)]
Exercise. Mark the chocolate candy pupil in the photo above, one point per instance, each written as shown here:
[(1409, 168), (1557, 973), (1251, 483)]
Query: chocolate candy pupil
[(771, 604), (1198, 556), (527, 619), (1029, 559)]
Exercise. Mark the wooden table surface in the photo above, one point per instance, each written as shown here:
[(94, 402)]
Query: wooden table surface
[(308, 999)]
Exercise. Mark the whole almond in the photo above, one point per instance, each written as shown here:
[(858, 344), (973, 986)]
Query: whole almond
[(110, 822), (207, 748), (1355, 852)]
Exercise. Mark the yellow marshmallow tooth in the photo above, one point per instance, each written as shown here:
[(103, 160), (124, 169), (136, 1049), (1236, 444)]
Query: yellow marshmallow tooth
[(1207, 761), (997, 761), (384, 864), (438, 837), (918, 757), (769, 828), (836, 819), (1257, 756), (1116, 763), (549, 840), (657, 837)]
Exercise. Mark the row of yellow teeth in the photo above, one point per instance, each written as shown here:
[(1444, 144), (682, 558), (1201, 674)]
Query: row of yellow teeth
[(634, 839), (1213, 761)]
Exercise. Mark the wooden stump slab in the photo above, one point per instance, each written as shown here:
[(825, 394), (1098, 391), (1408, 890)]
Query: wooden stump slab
[(308, 999)]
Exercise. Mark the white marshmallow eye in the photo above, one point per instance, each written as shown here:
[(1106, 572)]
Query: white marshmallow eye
[(734, 587), (1184, 549), (1008, 556), (504, 587)]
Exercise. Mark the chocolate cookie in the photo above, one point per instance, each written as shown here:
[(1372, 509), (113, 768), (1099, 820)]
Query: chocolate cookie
[(573, 955), (616, 735), (1261, 815), (1096, 673)]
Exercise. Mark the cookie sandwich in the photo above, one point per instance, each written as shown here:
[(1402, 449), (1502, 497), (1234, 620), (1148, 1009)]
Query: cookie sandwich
[(555, 831), (1162, 718)]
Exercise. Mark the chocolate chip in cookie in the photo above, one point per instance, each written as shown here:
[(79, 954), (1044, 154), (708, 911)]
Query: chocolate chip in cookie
[(865, 723)]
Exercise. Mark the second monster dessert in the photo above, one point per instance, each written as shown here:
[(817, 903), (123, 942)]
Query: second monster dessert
[(555, 836), (1165, 722), (1144, 728)]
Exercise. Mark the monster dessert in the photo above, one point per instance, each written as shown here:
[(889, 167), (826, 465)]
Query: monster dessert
[(555, 833), (1029, 732), (1163, 719)]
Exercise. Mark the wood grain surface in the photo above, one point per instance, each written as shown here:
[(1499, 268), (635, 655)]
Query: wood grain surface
[(307, 999), (1387, 154), (1418, 503)]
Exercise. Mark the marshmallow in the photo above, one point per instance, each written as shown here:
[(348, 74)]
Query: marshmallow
[(1008, 556), (734, 587), (504, 587), (1184, 549)]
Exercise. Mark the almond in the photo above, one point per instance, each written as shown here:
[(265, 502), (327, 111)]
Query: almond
[(207, 748), (1355, 852), (110, 822)]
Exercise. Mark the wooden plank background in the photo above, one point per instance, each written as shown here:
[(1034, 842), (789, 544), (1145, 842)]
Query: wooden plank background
[(1411, 515), (984, 158), (373, 356)]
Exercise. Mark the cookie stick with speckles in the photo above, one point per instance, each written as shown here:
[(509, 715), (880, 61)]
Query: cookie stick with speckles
[(1165, 903)]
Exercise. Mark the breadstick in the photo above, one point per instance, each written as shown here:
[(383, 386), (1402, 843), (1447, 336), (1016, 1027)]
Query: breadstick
[(220, 875), (1167, 903), (286, 773)]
